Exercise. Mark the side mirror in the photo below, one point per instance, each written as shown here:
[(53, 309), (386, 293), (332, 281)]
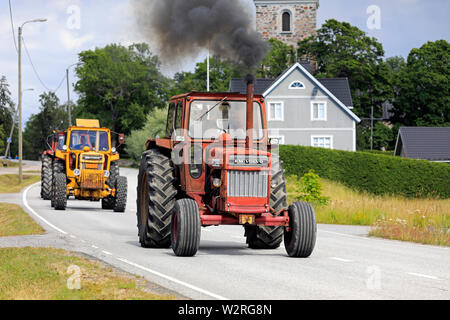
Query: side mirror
[(121, 139)]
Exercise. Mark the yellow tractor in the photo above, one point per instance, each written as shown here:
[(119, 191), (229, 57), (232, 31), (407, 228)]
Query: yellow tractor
[(87, 168)]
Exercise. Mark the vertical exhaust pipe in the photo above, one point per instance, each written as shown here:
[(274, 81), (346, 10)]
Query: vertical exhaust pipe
[(250, 79)]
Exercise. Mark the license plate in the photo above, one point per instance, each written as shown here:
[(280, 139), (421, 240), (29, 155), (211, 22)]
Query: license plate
[(246, 219)]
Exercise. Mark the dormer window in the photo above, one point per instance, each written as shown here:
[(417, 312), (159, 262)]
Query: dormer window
[(297, 85), (286, 22)]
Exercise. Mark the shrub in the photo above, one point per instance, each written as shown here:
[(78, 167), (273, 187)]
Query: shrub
[(309, 189), (377, 174)]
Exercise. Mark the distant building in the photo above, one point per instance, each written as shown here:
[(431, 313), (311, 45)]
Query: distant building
[(286, 20), (424, 143), (303, 110)]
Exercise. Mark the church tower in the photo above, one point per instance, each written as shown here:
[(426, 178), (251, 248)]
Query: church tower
[(286, 20)]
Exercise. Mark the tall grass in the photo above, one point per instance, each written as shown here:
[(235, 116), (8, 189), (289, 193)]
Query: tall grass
[(419, 220)]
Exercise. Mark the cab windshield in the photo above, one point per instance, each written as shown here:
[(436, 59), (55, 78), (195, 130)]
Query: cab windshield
[(209, 119), (95, 140)]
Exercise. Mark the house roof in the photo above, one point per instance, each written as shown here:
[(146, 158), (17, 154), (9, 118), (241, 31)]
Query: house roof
[(425, 143), (337, 88)]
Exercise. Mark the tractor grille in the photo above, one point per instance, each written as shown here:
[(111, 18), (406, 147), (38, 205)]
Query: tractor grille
[(251, 184), (92, 180)]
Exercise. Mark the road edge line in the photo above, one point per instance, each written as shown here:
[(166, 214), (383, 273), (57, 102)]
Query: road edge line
[(27, 206)]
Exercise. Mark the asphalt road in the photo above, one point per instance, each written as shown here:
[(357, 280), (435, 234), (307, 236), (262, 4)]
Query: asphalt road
[(346, 264)]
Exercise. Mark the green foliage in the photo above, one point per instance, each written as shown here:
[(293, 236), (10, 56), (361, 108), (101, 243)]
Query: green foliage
[(309, 189), (7, 112), (220, 74), (280, 57), (377, 174), (342, 50), (120, 86), (155, 126), (423, 87), (52, 116)]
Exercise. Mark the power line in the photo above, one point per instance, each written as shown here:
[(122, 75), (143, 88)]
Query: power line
[(37, 74), (12, 25)]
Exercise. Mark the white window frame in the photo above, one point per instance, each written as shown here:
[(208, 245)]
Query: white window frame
[(281, 138), (292, 88), (323, 137), (269, 117), (312, 110)]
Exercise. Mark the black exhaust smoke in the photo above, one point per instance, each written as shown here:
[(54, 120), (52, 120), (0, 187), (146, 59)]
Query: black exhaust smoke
[(184, 28)]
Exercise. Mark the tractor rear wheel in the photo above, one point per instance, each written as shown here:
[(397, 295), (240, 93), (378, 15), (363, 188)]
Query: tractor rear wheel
[(300, 240), (156, 195), (60, 192), (120, 201), (47, 177), (264, 237), (186, 228), (108, 202)]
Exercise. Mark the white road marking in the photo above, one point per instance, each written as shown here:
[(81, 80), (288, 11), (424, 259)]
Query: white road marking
[(218, 297), (423, 276), (107, 253), (25, 203), (73, 237), (95, 247), (340, 259)]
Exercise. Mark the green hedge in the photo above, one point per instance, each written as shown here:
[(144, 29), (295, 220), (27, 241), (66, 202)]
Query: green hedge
[(377, 174)]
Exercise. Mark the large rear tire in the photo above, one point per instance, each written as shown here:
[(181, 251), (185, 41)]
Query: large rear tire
[(186, 228), (120, 201), (60, 192), (46, 177), (269, 238), (156, 194), (300, 240)]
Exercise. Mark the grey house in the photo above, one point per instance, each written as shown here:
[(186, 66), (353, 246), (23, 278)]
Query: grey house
[(303, 110), (424, 143)]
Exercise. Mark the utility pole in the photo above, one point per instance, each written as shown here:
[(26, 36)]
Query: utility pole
[(69, 109), (20, 97), (20, 106)]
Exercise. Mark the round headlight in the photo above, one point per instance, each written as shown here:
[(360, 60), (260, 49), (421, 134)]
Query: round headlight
[(106, 174), (217, 182), (77, 172), (113, 150), (65, 148)]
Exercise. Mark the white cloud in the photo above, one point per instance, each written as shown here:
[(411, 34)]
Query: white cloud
[(71, 41)]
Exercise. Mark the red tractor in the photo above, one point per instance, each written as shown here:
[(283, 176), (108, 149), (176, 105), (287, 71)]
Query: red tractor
[(56, 141), (216, 166)]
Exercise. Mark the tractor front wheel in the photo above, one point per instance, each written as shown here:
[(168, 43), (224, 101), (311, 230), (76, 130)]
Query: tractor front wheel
[(60, 192), (185, 235), (300, 239), (120, 202)]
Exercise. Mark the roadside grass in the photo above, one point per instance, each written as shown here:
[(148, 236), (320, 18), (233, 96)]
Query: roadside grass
[(9, 183), (44, 274), (425, 221), (8, 164), (16, 222)]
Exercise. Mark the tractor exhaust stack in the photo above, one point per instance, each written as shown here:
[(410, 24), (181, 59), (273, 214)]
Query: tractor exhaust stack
[(250, 79)]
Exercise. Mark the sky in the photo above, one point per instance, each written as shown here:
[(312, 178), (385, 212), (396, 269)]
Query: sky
[(77, 25)]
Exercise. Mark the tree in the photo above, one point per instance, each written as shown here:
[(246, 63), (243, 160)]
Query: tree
[(51, 117), (342, 50), (220, 75), (7, 115), (120, 85), (155, 126), (280, 57), (423, 85)]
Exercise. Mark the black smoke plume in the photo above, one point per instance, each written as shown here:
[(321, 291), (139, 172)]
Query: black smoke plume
[(184, 28)]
